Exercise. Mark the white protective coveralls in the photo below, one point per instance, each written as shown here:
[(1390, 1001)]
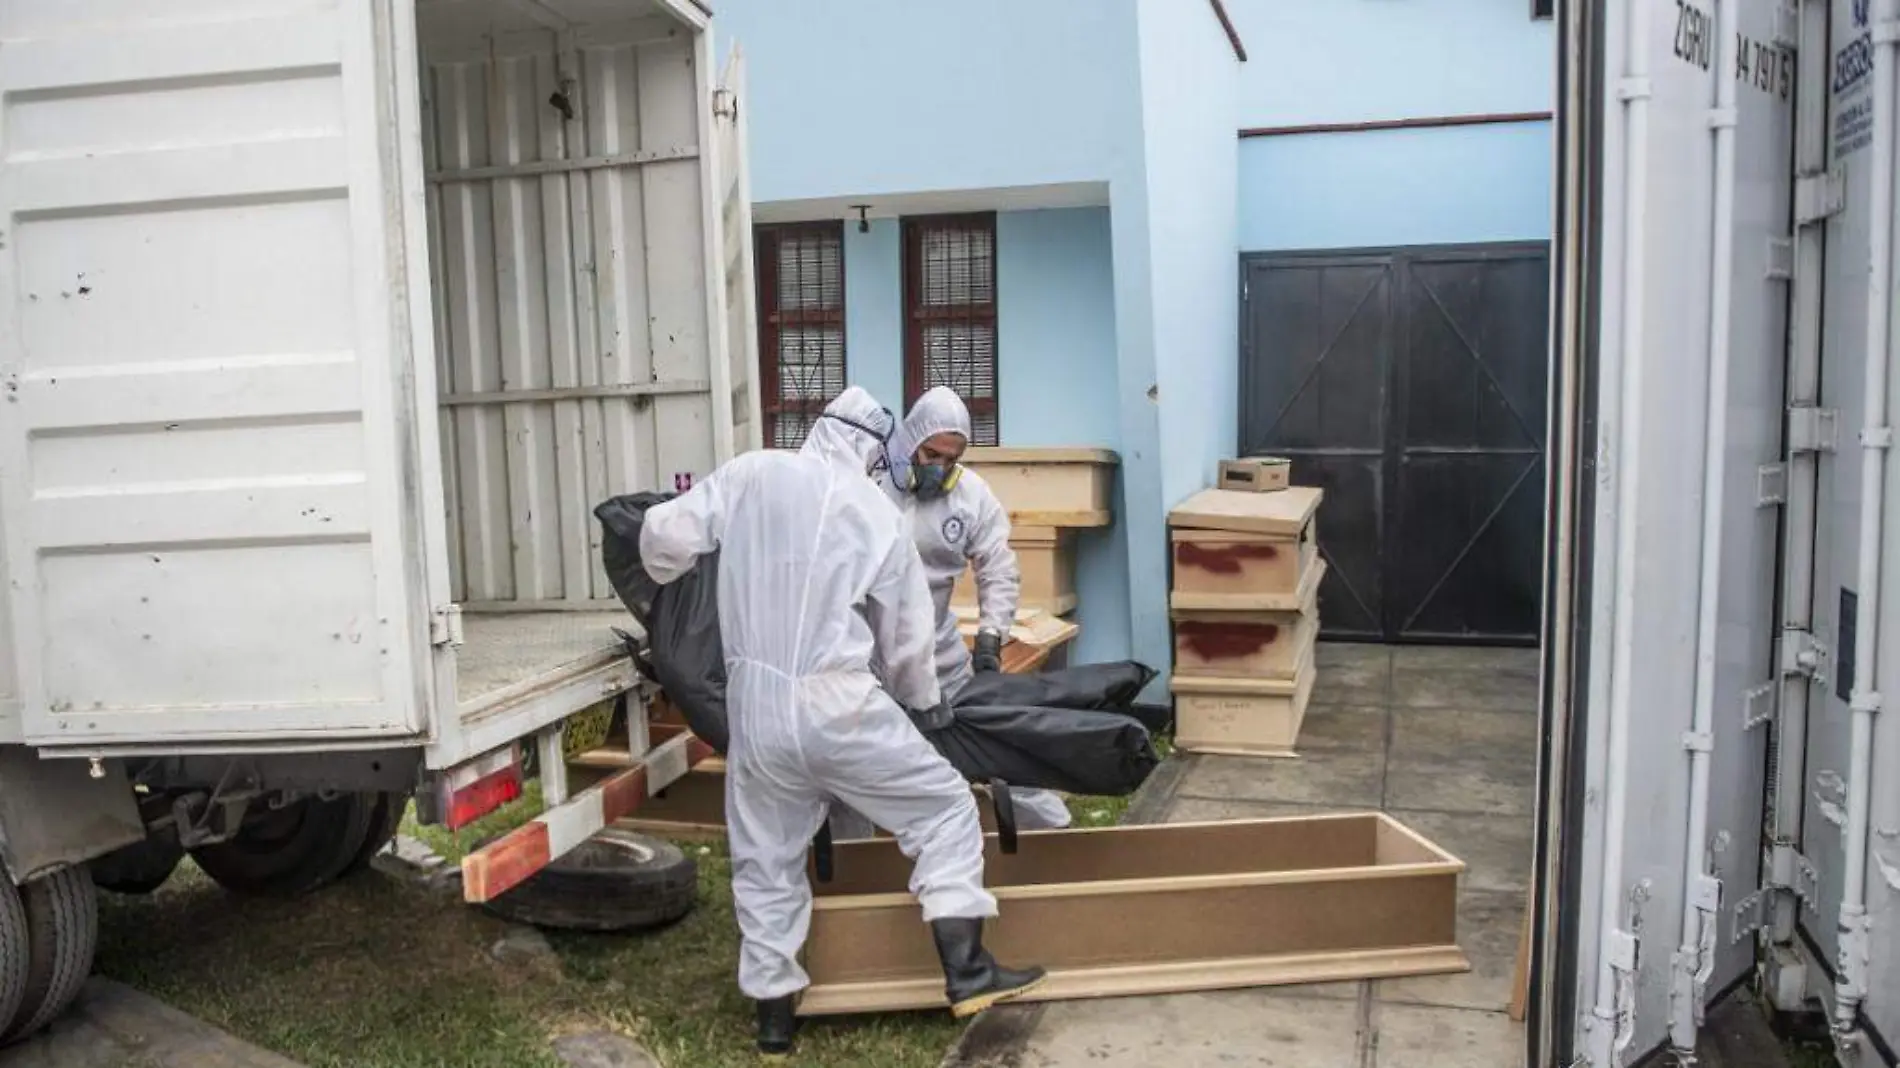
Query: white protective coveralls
[(817, 576), (965, 528)]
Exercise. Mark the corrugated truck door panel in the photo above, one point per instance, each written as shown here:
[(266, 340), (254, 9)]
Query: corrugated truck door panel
[(209, 427)]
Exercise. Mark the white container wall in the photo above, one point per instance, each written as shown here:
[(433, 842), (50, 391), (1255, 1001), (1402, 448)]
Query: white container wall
[(1856, 236), (573, 342), (1670, 753)]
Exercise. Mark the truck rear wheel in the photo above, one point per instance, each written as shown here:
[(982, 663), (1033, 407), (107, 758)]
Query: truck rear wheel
[(62, 919), (385, 818), (139, 868), (15, 949), (294, 850)]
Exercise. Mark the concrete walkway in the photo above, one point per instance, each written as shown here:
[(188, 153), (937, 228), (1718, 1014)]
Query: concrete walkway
[(1445, 740), (114, 1026)]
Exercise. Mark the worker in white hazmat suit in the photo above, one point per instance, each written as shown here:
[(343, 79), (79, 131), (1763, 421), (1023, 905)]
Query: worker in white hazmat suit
[(817, 576), (958, 524)]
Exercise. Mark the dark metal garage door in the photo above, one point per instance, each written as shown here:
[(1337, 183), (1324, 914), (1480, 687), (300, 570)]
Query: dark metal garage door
[(1409, 383)]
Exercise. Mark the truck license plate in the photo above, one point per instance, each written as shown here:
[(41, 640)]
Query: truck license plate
[(587, 730)]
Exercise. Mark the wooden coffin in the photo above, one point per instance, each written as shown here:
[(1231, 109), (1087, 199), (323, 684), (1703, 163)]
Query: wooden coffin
[(1227, 570), (1244, 716), (1247, 644), (694, 808), (1165, 908), (1046, 556), (1049, 487)]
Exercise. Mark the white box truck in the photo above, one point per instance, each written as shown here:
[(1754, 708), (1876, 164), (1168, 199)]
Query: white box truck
[(324, 324)]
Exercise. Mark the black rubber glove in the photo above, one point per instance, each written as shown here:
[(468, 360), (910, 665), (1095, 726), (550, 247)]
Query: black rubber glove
[(931, 719), (988, 653)]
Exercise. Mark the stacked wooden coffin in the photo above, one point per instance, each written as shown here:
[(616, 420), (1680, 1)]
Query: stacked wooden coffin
[(1049, 494), (1245, 604)]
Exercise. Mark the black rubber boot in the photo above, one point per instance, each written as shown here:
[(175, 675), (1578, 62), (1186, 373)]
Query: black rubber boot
[(777, 1025), (972, 979)]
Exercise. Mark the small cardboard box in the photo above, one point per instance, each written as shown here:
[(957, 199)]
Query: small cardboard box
[(1255, 474)]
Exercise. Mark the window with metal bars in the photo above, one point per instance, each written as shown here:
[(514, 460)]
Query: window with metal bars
[(950, 313), (801, 325)]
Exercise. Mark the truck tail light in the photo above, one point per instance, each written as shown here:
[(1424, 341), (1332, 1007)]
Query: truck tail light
[(479, 787)]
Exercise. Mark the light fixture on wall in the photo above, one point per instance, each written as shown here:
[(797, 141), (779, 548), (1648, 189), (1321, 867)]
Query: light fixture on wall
[(864, 224)]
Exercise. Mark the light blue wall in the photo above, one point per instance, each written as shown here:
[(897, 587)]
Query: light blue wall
[(1056, 328), (891, 96), (1189, 78), (1057, 365), (874, 310), (1396, 187), (1341, 61), (1330, 61)]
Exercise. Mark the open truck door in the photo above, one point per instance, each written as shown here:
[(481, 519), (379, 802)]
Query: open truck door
[(733, 217), (213, 375)]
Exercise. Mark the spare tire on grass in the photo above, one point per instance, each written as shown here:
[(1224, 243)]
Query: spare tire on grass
[(614, 881)]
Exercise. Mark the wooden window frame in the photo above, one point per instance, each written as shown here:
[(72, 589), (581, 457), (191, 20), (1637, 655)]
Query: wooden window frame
[(766, 238), (916, 315)]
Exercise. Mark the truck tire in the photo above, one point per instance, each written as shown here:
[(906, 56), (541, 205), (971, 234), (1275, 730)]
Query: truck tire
[(139, 868), (15, 950), (62, 918), (614, 881), (385, 818), (290, 852)]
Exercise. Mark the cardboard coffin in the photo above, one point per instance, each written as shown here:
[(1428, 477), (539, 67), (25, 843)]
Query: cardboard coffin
[(1154, 909), (1247, 644), (1049, 487), (1244, 716), (1046, 558)]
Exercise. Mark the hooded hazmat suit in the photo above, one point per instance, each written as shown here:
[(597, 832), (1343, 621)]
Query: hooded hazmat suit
[(966, 527), (817, 576)]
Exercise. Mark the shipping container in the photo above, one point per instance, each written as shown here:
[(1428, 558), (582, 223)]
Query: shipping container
[(1719, 804)]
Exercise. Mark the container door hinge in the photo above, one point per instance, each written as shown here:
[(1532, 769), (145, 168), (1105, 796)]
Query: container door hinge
[(1812, 429), (1791, 873), (1819, 195), (1802, 654), (1771, 485), (1780, 260), (1749, 915), (1758, 706), (445, 626)]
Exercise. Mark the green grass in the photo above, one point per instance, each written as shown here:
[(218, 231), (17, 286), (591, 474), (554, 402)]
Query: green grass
[(377, 973)]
